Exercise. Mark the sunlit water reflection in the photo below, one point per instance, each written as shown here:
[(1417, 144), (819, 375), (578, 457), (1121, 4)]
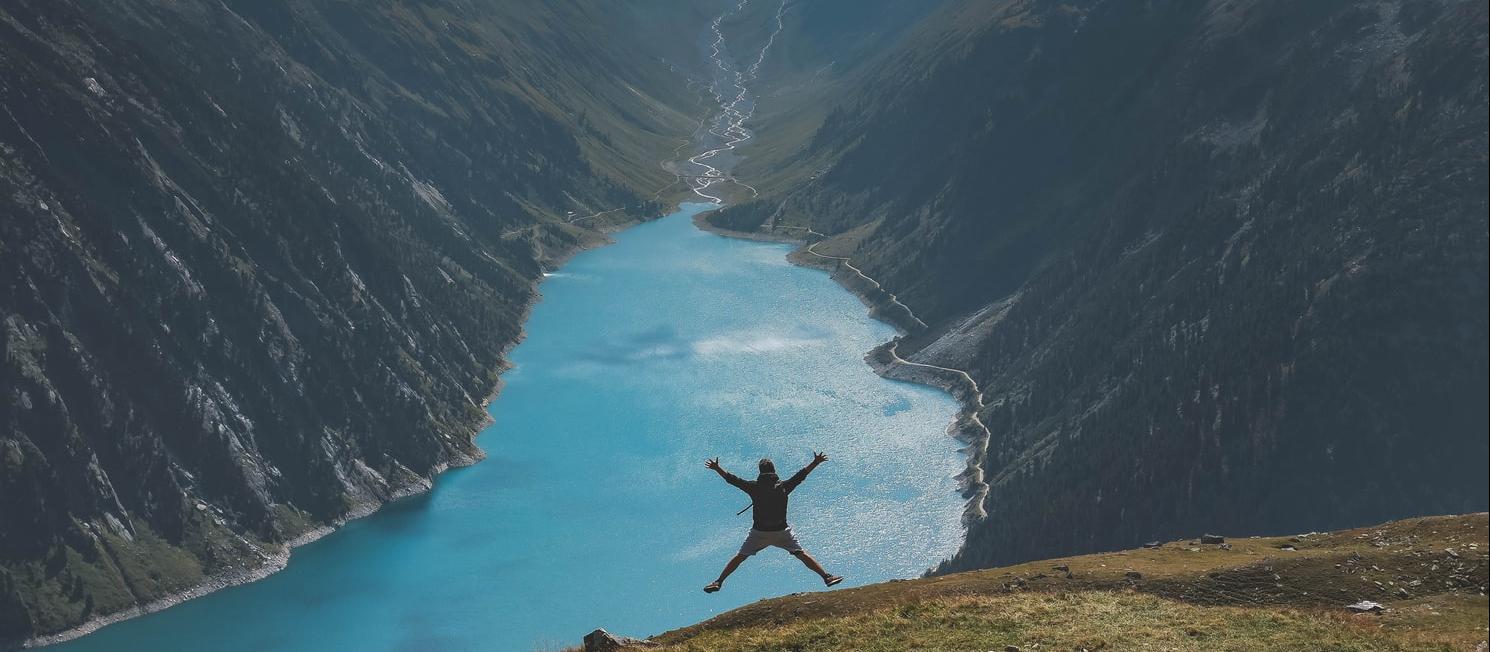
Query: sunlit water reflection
[(593, 508)]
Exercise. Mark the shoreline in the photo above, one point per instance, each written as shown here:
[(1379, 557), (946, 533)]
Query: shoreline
[(277, 560), (272, 563), (277, 557), (970, 482)]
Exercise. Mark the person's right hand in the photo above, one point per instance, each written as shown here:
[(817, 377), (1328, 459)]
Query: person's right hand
[(712, 464), (819, 458)]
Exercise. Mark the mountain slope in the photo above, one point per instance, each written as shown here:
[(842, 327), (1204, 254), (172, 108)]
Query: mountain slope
[(1272, 593), (1211, 264), (822, 50), (261, 261)]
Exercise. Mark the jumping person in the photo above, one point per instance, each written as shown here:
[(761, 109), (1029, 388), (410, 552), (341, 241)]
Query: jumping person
[(768, 495)]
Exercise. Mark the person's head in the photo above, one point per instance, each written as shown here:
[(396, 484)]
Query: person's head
[(767, 466)]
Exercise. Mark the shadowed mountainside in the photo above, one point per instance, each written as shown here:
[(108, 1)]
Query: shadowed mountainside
[(261, 261), (1212, 264)]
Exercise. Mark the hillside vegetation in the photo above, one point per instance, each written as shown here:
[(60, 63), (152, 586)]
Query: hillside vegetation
[(1258, 593)]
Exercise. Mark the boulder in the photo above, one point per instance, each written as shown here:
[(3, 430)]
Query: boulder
[(1212, 538), (603, 641), (1365, 606)]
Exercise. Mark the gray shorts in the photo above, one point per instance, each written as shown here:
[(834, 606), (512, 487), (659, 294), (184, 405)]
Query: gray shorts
[(759, 540)]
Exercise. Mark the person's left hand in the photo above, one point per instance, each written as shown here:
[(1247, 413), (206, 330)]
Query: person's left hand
[(712, 463)]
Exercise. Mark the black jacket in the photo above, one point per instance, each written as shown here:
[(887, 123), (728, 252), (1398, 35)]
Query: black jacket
[(769, 494)]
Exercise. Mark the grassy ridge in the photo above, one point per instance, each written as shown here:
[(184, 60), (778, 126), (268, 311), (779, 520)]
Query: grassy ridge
[(1098, 620), (1284, 593)]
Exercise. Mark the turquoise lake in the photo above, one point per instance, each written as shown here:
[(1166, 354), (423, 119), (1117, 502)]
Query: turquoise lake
[(593, 508)]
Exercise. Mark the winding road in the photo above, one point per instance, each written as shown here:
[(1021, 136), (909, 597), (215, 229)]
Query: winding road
[(729, 126), (975, 468)]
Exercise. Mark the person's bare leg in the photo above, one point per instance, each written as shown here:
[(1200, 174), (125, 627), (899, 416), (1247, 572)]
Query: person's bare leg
[(734, 563), (815, 567)]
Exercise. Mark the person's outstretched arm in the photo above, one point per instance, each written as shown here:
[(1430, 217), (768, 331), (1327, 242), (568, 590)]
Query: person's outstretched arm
[(792, 482), (731, 478)]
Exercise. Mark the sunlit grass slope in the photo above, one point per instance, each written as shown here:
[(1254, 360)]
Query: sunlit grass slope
[(1272, 593)]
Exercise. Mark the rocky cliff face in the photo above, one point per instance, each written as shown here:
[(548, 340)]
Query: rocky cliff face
[(1214, 264), (259, 262)]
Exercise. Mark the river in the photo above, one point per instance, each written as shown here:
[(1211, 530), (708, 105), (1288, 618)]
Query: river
[(593, 508)]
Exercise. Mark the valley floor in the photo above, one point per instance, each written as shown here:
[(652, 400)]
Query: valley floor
[(1274, 593)]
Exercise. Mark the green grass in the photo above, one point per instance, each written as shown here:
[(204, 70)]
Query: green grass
[(77, 581)]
